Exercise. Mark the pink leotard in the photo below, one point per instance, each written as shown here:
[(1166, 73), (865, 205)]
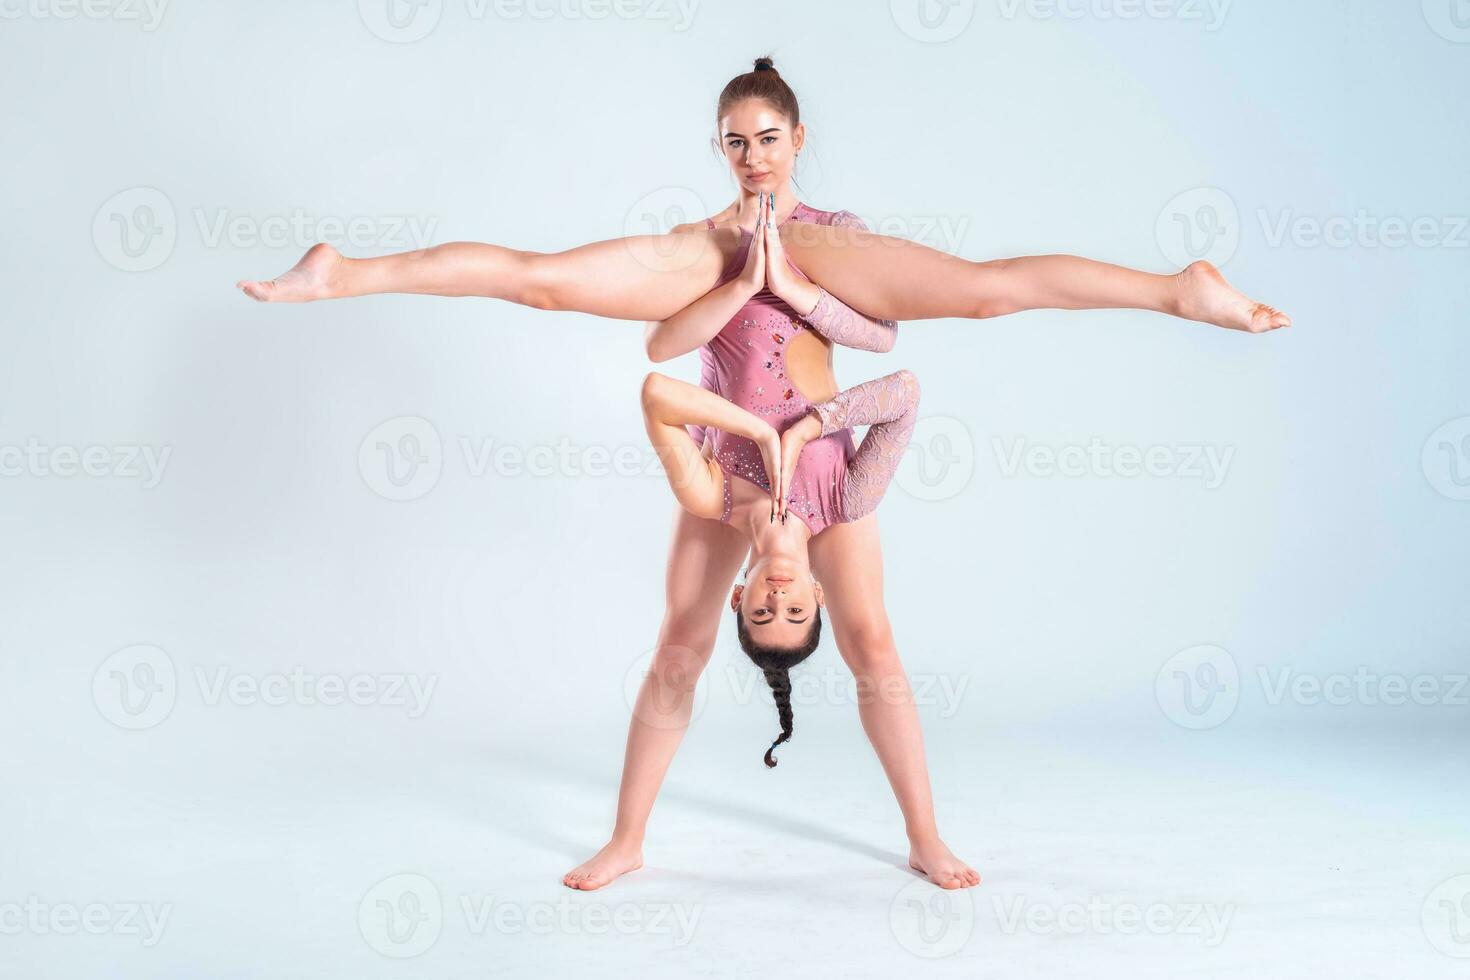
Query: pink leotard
[(745, 363)]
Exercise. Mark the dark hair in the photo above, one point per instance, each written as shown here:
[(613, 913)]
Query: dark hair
[(776, 663), (761, 82)]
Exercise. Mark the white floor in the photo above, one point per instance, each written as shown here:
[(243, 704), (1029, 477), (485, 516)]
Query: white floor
[(264, 845)]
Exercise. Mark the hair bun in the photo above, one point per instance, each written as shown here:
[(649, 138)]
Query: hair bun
[(764, 64)]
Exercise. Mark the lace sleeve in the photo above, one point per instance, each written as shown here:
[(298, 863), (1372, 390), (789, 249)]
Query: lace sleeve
[(888, 407), (844, 325)]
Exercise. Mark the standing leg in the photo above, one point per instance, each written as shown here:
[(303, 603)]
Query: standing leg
[(848, 560), (703, 561)]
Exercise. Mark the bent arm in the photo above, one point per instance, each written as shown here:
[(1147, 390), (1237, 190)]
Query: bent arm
[(889, 407), (693, 326), (668, 406)]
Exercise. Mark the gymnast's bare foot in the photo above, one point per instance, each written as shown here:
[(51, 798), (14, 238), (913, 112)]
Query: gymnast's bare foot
[(1204, 295), (600, 869), (314, 277), (936, 862)]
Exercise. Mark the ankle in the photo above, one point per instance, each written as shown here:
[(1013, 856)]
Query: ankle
[(341, 278), (626, 841), (1172, 294), (924, 838)]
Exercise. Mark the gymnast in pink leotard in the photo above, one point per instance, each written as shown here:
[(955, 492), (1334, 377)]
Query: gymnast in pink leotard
[(748, 419), (745, 364)]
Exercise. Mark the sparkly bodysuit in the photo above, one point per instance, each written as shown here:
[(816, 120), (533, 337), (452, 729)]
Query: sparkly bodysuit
[(745, 363)]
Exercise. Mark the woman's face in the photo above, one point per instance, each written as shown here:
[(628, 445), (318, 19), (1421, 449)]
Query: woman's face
[(779, 601), (760, 145)]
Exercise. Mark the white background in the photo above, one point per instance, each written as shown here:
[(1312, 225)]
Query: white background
[(1332, 545)]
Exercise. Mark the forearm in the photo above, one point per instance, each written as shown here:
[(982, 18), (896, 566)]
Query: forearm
[(889, 401), (676, 404), (797, 292), (693, 326), (841, 324)]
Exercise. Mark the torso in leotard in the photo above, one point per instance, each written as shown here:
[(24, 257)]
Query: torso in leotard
[(746, 364)]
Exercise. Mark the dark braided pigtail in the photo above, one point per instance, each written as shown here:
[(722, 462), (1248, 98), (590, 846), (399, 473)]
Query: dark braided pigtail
[(780, 681), (776, 664)]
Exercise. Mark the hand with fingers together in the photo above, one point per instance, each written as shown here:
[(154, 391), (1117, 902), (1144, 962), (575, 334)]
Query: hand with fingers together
[(771, 447), (793, 440), (781, 278), (753, 275)]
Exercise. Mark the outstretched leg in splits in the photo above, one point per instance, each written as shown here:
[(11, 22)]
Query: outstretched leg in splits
[(652, 277)]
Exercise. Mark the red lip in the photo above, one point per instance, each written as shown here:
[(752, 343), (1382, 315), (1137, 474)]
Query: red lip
[(760, 176)]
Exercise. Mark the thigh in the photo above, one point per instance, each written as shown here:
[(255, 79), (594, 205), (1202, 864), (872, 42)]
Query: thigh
[(848, 560), (642, 277), (886, 277), (704, 558)]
